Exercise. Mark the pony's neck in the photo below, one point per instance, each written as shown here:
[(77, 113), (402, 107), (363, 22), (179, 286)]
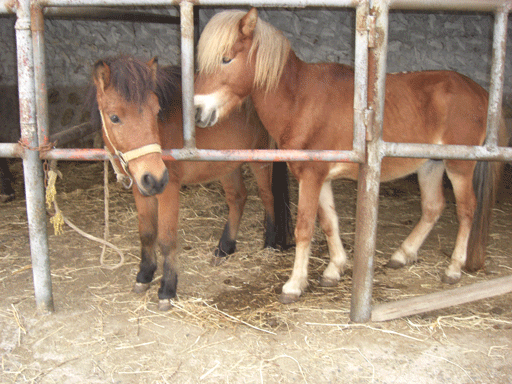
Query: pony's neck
[(275, 108)]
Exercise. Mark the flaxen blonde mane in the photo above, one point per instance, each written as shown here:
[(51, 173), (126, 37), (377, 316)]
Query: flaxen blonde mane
[(270, 45)]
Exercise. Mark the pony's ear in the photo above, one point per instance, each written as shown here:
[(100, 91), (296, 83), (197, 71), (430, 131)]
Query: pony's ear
[(153, 67), (101, 75), (248, 22)]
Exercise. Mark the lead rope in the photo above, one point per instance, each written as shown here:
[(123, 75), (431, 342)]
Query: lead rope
[(58, 219)]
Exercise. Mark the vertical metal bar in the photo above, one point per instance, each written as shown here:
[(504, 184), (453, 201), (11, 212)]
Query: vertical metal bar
[(37, 28), (499, 46), (32, 166), (361, 77), (187, 70), (369, 174)]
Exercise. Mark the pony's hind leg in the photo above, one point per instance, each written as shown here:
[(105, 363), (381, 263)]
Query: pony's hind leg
[(147, 216), (329, 222), (460, 174), (168, 211), (236, 196), (430, 178)]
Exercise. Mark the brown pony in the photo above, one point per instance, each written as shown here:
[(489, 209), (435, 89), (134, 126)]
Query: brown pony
[(141, 112), (310, 106)]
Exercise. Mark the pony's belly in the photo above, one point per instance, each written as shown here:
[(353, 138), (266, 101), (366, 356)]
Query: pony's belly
[(343, 171)]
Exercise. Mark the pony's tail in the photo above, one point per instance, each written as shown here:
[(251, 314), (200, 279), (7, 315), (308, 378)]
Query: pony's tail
[(282, 213), (486, 178)]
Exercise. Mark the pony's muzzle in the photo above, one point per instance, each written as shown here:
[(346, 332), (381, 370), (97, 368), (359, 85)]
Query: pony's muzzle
[(205, 111), (150, 185)]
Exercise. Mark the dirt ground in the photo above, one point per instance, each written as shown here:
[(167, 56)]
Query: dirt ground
[(227, 325)]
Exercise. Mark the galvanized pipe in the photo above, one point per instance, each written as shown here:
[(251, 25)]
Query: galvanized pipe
[(499, 47), (254, 3), (369, 174), (187, 70), (450, 5), (32, 167), (108, 13), (37, 27), (435, 151), (10, 150), (215, 155), (361, 80)]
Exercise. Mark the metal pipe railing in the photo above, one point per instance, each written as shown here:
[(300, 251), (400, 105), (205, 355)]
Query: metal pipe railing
[(187, 70), (32, 166), (376, 149)]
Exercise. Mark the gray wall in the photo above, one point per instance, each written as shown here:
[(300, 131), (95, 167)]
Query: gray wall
[(417, 41)]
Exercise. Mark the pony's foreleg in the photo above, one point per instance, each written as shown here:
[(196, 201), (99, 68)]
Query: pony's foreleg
[(309, 192), (430, 178), (462, 182), (168, 212), (147, 216), (329, 222), (236, 196)]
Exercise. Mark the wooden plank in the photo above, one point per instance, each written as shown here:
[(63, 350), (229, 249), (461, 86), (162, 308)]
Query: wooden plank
[(444, 299)]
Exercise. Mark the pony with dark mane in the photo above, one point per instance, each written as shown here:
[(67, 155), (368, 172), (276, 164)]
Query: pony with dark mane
[(310, 106), (141, 112)]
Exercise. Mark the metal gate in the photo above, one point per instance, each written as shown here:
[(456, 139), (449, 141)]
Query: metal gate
[(368, 147)]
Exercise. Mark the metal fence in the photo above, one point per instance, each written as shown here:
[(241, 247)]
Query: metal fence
[(368, 147)]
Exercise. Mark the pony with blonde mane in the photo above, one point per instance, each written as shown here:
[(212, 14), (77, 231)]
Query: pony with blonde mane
[(310, 107)]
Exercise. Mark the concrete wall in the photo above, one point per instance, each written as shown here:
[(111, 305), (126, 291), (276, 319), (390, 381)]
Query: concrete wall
[(417, 41)]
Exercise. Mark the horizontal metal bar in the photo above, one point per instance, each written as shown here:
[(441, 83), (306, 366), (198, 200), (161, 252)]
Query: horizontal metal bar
[(216, 155), (452, 5), (10, 150), (438, 151), (460, 5), (108, 13), (255, 3)]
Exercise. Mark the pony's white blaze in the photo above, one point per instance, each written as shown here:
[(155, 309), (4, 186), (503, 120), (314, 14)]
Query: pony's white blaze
[(208, 108)]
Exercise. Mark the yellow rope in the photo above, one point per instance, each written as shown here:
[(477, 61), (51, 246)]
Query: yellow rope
[(59, 219)]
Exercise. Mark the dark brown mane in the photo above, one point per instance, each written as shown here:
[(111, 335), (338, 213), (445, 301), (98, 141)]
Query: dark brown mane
[(133, 80)]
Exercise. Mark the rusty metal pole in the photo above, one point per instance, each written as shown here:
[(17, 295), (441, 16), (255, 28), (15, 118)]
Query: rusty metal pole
[(497, 76), (32, 166), (37, 28), (369, 172), (187, 70), (361, 79)]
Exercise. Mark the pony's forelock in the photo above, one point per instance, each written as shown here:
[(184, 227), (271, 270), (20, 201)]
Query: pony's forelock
[(269, 44)]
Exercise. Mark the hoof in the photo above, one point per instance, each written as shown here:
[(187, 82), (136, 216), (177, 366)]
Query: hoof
[(140, 287), (164, 305), (218, 260), (327, 282), (287, 298), (393, 264), (449, 279)]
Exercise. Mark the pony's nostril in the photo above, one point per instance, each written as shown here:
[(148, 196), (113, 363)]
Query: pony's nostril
[(213, 118), (199, 112), (148, 180)]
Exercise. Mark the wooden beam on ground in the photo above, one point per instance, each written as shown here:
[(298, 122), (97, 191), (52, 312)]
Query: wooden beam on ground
[(444, 299)]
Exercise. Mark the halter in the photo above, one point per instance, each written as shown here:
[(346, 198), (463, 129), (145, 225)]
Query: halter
[(124, 158)]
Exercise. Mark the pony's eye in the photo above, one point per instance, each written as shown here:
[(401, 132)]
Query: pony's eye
[(226, 60), (115, 119)]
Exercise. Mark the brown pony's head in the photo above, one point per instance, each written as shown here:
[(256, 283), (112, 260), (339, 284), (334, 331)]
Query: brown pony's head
[(129, 96), (237, 53)]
